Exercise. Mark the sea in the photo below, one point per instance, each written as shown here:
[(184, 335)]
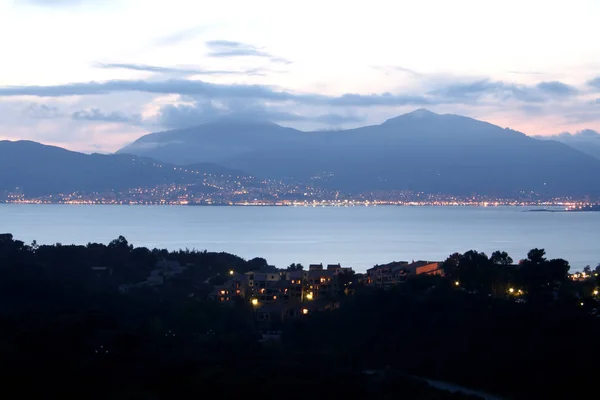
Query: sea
[(357, 237)]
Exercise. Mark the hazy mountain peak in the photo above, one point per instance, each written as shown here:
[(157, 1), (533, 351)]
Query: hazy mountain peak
[(420, 113), (587, 133)]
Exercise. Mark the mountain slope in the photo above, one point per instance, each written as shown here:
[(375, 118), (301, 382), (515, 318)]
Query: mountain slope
[(41, 170), (218, 140), (419, 151), (586, 141)]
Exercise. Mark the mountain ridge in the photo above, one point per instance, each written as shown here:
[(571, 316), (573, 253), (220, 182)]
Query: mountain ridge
[(40, 170), (586, 141), (417, 151)]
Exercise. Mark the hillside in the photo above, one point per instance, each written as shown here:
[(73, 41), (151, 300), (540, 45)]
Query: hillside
[(41, 170), (419, 151), (586, 141)]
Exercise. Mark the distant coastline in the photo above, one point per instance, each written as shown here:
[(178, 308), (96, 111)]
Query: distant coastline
[(553, 207)]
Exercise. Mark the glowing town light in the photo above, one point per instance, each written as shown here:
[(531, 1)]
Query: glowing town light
[(231, 272), (511, 290), (309, 296), (254, 302), (305, 311), (457, 283)]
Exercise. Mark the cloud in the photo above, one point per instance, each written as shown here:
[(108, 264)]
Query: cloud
[(54, 3), (445, 93), (42, 111), (96, 115), (527, 72), (227, 48), (595, 83), (181, 36), (585, 136), (582, 115), (390, 69), (210, 90), (175, 116), (597, 101), (557, 88), (472, 91), (475, 90), (204, 110), (177, 70)]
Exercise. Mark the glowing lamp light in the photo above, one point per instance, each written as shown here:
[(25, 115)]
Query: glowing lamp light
[(309, 296), (231, 272), (457, 283), (305, 311), (254, 302), (596, 292), (511, 290)]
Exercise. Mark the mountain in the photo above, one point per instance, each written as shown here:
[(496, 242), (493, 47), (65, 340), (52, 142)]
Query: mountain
[(221, 139), (39, 170), (587, 141), (418, 151)]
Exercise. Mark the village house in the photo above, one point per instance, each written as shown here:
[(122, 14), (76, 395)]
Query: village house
[(280, 294), (236, 286), (388, 275)]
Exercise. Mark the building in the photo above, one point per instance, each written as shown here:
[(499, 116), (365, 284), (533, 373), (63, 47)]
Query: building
[(425, 268), (388, 275), (277, 295), (321, 284), (235, 287)]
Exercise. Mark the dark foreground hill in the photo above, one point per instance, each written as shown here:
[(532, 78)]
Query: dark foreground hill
[(418, 151)]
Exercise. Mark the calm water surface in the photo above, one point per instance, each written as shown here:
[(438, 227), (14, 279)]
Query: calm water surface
[(354, 236)]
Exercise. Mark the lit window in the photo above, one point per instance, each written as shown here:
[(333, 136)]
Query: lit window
[(305, 311)]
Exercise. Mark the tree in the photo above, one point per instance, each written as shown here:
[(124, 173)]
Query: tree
[(587, 270), (450, 266), (257, 264), (536, 257), (501, 258), (120, 243), (295, 267)]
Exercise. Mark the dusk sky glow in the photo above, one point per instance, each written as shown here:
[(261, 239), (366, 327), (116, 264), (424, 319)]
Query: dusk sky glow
[(95, 75)]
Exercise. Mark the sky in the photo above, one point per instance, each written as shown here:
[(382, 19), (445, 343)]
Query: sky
[(94, 75)]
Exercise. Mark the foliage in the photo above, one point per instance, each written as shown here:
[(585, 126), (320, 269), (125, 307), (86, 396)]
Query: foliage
[(70, 330)]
